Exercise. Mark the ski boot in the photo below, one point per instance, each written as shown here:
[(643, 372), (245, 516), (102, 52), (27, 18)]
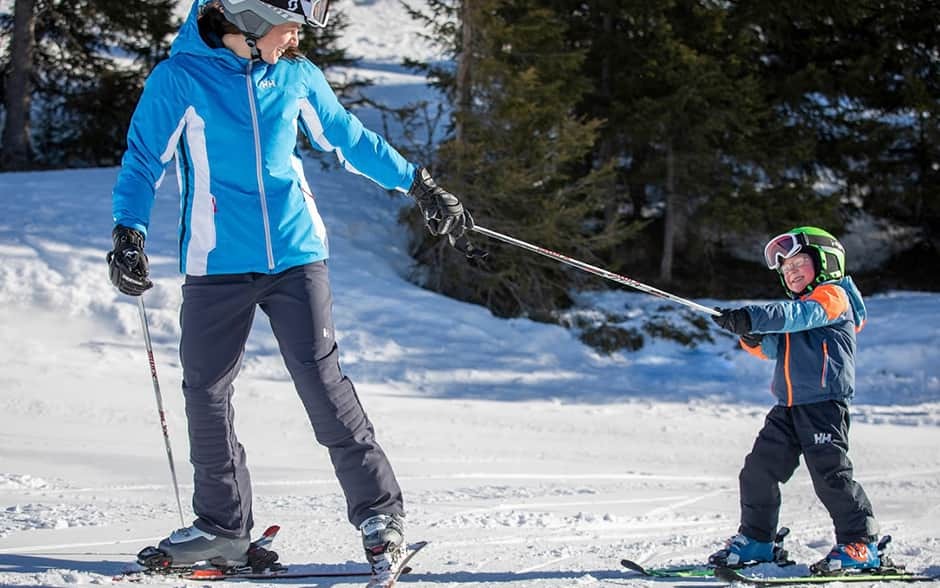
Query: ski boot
[(741, 550), (383, 538), (189, 546), (856, 557)]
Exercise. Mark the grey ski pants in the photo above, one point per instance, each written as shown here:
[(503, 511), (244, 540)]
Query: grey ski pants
[(820, 432), (216, 317)]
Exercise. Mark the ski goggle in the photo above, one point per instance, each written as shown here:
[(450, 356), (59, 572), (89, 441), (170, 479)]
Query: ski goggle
[(317, 12), (256, 17), (781, 247)]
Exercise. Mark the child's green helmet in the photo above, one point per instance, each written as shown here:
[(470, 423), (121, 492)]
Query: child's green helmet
[(827, 253)]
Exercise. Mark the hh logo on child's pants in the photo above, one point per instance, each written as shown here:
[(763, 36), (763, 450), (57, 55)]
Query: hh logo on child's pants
[(821, 438)]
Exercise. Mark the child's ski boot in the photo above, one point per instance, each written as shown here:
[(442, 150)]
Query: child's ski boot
[(741, 550), (858, 557)]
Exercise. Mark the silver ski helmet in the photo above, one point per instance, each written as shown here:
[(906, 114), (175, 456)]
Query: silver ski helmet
[(824, 249), (256, 17)]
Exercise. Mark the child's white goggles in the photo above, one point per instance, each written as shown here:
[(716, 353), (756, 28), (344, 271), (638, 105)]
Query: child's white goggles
[(781, 247)]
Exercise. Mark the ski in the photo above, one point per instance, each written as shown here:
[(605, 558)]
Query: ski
[(262, 565), (154, 562), (389, 578), (689, 571), (781, 558), (211, 575), (281, 574), (877, 575), (685, 571)]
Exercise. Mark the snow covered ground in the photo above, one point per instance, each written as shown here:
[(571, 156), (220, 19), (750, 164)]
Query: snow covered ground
[(527, 459)]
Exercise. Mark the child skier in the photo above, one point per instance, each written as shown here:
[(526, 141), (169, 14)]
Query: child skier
[(812, 338)]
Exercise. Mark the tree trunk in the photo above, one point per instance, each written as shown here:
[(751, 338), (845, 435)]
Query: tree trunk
[(669, 218), (18, 89), (465, 66)]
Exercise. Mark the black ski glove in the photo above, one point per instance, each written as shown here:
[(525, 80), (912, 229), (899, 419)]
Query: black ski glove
[(737, 320), (752, 339), (443, 213), (127, 263)]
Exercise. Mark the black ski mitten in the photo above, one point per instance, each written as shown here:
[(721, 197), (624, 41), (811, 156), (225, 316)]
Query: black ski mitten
[(737, 320), (128, 266), (443, 213), (752, 339)]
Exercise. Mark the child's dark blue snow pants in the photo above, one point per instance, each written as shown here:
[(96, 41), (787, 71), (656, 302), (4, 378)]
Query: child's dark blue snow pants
[(819, 432)]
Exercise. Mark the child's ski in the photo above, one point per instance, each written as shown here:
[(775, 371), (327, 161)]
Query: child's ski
[(878, 575), (689, 571), (707, 570)]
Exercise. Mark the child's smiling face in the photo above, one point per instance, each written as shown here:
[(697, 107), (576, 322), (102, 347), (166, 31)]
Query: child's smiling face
[(798, 272)]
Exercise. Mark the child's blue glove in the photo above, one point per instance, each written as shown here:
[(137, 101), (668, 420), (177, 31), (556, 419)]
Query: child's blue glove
[(737, 320)]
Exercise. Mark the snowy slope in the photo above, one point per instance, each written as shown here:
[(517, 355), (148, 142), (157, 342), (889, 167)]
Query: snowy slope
[(527, 459)]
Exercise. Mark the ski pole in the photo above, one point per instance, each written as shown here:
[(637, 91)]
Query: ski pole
[(594, 270), (156, 390)]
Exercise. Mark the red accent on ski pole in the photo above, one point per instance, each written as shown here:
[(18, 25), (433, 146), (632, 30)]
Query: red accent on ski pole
[(156, 390)]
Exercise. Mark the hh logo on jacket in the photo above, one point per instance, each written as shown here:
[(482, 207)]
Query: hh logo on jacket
[(265, 84)]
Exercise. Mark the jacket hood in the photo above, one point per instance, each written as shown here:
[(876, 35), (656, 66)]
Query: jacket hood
[(855, 299), (190, 41)]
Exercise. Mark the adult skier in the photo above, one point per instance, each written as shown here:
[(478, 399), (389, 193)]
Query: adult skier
[(227, 104)]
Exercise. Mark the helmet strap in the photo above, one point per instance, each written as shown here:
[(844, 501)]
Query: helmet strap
[(252, 43)]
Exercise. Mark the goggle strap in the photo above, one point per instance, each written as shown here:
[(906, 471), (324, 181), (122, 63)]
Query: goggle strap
[(832, 265), (819, 240)]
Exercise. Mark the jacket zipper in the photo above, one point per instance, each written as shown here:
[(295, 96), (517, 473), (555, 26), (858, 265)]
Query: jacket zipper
[(786, 370), (258, 168), (825, 367)]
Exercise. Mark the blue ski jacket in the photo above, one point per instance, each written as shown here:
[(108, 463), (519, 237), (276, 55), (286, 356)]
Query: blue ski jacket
[(232, 125), (813, 342)]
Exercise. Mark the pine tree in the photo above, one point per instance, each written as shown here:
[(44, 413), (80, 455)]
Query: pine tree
[(16, 85), (860, 84), (696, 140), (89, 59), (521, 163)]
